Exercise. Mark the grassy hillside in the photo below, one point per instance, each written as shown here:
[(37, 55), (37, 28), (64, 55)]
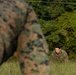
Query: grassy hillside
[(11, 67)]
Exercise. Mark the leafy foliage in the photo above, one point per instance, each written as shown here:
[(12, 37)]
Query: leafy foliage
[(58, 22), (51, 9), (61, 32)]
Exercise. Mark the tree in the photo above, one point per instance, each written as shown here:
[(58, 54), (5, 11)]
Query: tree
[(62, 32), (52, 9)]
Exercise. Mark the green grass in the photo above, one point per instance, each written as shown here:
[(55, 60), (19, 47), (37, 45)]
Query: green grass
[(63, 68), (11, 67)]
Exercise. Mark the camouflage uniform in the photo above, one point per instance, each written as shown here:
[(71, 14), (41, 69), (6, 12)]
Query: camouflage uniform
[(59, 57), (20, 30)]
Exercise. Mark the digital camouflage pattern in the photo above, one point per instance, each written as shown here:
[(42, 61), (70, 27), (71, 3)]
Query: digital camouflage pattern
[(59, 57), (20, 30)]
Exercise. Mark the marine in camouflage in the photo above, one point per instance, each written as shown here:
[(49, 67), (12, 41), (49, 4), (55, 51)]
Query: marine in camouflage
[(59, 55), (20, 30)]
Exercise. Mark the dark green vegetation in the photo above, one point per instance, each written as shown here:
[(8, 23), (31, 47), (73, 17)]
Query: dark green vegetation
[(58, 20)]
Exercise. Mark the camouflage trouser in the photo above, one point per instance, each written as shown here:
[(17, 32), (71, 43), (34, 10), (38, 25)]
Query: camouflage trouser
[(20, 30)]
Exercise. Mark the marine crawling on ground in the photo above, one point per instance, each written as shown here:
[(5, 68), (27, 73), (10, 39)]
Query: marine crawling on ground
[(59, 55), (20, 30)]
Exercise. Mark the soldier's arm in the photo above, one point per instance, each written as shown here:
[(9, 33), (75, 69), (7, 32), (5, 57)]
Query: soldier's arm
[(32, 47), (53, 56), (66, 56)]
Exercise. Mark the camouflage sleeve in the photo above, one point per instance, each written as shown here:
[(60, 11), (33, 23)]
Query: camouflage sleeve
[(32, 47), (66, 59), (53, 56)]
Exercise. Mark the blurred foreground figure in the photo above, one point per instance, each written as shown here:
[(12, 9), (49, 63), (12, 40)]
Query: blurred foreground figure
[(20, 30), (59, 55)]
